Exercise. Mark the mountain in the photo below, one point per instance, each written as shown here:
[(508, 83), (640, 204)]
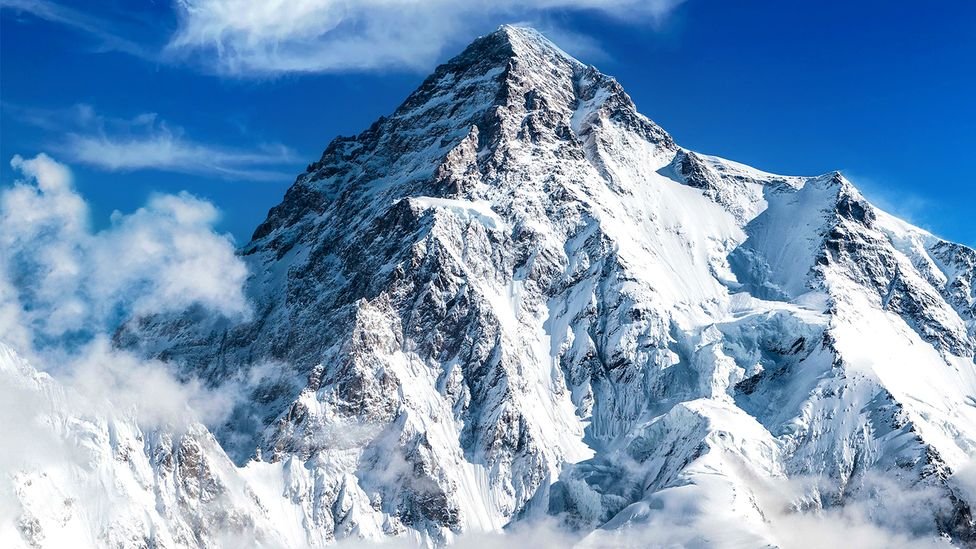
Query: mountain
[(82, 475), (516, 300)]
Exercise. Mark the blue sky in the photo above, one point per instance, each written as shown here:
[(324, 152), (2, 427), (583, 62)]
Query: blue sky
[(231, 103)]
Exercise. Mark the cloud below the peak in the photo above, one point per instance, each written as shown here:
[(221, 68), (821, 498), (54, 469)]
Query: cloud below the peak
[(243, 38), (60, 279), (65, 288)]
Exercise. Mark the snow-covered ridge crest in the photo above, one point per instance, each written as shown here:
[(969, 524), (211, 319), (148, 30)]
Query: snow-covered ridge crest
[(516, 297)]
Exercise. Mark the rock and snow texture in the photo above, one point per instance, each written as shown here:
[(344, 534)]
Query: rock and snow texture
[(77, 474), (517, 298)]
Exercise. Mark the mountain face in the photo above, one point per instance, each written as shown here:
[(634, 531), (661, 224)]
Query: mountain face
[(518, 299)]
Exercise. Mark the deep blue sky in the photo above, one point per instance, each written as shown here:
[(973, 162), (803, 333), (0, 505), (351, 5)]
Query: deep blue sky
[(881, 90)]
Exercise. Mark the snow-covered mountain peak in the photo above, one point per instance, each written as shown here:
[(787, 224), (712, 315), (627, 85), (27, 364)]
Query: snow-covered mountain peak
[(528, 43), (516, 296), (506, 87)]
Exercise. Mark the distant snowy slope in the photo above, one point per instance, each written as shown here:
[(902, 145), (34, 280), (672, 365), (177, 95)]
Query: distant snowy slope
[(75, 474)]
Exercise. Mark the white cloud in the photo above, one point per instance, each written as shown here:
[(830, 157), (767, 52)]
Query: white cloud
[(107, 40), (109, 380), (60, 278), (241, 37), (64, 289), (145, 142), (879, 512), (156, 146), (271, 37), (579, 45)]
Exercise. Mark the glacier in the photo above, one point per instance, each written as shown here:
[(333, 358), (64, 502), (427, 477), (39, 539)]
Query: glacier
[(516, 301)]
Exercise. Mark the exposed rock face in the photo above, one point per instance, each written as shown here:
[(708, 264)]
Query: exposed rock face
[(517, 296)]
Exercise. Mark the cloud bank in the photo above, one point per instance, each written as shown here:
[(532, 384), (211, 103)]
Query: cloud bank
[(63, 279), (65, 288)]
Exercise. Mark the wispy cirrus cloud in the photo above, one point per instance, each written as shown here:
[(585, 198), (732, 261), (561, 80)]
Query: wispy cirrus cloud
[(160, 148), (277, 36), (146, 142), (246, 38), (107, 37)]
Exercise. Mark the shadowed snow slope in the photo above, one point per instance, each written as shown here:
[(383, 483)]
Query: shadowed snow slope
[(517, 298)]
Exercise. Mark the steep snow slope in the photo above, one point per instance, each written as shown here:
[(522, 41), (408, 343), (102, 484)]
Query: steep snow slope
[(516, 296)]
